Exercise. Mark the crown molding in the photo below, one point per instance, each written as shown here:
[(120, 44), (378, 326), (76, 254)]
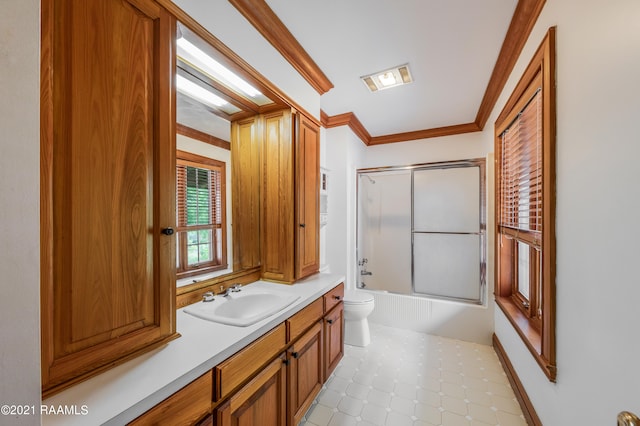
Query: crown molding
[(436, 132), (522, 22), (260, 15), (346, 119)]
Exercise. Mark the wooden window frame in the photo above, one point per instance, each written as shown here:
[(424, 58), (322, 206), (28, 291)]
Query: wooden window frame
[(220, 261), (536, 330)]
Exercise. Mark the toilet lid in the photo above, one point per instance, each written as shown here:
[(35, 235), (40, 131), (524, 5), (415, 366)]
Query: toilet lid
[(354, 297)]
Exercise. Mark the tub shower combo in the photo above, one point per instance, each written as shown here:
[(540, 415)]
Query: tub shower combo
[(421, 233)]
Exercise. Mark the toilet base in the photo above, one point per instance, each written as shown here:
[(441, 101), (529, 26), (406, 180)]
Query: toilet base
[(356, 332)]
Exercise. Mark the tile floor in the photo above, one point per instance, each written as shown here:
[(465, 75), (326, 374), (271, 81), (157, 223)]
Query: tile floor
[(409, 378)]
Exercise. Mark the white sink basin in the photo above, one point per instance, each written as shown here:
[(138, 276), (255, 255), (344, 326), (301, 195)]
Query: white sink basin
[(243, 308)]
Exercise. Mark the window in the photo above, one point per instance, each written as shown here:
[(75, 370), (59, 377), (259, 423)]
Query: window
[(201, 230), (525, 196)]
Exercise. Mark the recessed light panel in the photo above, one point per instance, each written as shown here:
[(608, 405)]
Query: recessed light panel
[(387, 79)]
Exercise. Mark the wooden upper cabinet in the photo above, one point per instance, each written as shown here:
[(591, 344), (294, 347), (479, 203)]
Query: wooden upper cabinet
[(278, 209), (108, 184), (291, 213), (307, 197), (246, 172)]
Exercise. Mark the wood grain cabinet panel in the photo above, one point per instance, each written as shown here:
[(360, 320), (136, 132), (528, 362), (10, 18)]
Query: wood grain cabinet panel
[(246, 169), (184, 407), (333, 297), (241, 366), (307, 155), (333, 339), (305, 374), (261, 402), (108, 185), (278, 215), (298, 323), (291, 191)]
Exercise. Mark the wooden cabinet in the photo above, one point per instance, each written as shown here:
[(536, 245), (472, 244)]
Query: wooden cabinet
[(262, 401), (184, 407), (307, 251), (245, 363), (333, 328), (333, 324), (278, 197), (108, 185), (272, 381), (246, 172), (305, 372), (291, 214)]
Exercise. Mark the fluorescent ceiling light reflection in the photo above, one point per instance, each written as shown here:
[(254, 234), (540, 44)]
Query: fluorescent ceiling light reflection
[(199, 93), (190, 53)]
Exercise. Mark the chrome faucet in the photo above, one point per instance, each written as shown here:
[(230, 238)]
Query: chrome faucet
[(233, 289)]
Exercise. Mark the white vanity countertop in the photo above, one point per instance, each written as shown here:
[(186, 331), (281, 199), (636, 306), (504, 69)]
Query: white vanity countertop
[(122, 393)]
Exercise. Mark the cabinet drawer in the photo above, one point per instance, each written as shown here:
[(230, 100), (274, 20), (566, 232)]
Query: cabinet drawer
[(244, 364), (184, 407), (333, 297), (298, 323)]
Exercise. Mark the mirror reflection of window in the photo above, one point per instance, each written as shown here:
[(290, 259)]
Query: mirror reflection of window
[(200, 216)]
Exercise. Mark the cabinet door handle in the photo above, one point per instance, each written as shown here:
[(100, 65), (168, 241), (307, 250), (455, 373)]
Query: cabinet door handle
[(302, 225), (337, 297), (330, 321), (285, 361), (167, 231), (295, 354)]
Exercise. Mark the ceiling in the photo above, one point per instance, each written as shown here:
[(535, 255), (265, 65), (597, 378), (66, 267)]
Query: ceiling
[(451, 47), (460, 53)]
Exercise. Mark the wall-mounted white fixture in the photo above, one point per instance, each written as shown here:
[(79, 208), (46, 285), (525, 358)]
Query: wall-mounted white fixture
[(388, 78)]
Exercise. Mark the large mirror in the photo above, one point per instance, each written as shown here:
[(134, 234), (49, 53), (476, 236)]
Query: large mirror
[(212, 92)]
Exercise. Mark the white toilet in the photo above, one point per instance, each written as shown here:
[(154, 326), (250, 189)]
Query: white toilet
[(357, 307)]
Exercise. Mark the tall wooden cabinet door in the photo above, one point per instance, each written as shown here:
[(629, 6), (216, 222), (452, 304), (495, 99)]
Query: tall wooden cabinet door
[(305, 372), (307, 197), (108, 184), (333, 339), (246, 169), (261, 402), (278, 196)]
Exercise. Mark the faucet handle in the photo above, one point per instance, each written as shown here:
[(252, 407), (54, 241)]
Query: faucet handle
[(236, 288), (208, 297)]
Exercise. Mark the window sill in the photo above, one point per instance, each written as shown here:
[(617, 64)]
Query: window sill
[(529, 334), (181, 282)]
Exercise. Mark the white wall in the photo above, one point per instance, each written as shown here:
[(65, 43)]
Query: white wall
[(19, 211), (598, 98), (345, 154)]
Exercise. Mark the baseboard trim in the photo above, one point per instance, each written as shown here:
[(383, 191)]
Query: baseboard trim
[(528, 410)]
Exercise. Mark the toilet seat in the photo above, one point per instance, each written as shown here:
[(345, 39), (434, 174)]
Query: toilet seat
[(353, 297)]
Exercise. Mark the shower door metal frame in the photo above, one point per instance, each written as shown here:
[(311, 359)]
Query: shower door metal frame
[(482, 229)]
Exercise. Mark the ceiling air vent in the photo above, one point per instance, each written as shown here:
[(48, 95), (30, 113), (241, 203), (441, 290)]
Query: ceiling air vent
[(386, 79)]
